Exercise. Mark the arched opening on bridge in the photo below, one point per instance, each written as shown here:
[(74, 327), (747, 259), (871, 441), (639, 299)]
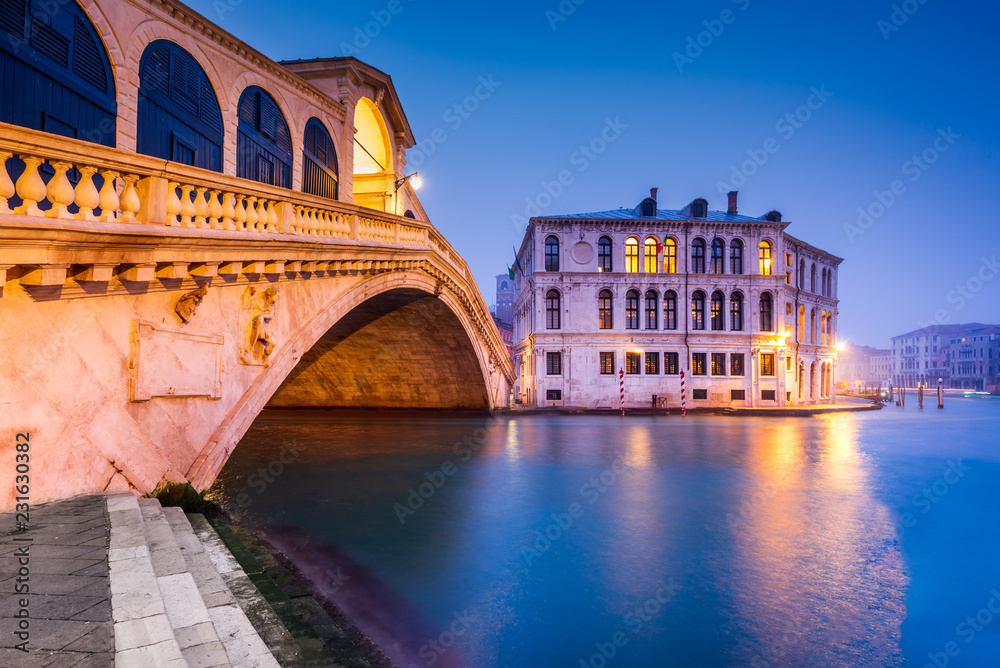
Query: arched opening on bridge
[(374, 174), (400, 349)]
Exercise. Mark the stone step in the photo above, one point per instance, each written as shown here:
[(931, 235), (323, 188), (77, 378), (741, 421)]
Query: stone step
[(226, 596), (186, 610)]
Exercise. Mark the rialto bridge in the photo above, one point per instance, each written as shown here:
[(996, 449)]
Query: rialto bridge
[(160, 287)]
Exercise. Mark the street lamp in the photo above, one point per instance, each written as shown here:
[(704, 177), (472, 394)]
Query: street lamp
[(414, 180)]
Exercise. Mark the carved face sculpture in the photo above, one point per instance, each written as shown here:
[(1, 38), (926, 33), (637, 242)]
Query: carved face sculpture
[(187, 304)]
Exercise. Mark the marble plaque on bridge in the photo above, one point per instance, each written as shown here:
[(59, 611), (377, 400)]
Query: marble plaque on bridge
[(168, 361)]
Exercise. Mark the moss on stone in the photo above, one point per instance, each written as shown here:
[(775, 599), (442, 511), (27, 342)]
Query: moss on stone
[(179, 494)]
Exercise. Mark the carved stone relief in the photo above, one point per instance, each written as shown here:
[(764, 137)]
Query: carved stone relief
[(259, 339)]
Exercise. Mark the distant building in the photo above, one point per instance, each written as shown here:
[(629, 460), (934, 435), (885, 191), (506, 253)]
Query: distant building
[(863, 366), (746, 311), (504, 309), (963, 356), (506, 333)]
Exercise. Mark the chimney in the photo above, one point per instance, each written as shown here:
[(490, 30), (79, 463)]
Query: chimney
[(732, 203), (652, 192)]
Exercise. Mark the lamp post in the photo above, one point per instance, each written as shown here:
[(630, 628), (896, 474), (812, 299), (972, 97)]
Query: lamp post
[(415, 183)]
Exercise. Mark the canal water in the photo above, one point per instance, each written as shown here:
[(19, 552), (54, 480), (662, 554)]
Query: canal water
[(856, 539)]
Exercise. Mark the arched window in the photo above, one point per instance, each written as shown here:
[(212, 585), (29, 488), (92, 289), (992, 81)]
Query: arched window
[(604, 254), (717, 313), (264, 144), (698, 310), (802, 324), (55, 75), (649, 253), (632, 255), (802, 274), (320, 174), (766, 312), (765, 258), (652, 310), (669, 256), (812, 327), (632, 309), (699, 208), (736, 257), (647, 208), (670, 310), (604, 309), (551, 253), (736, 312), (718, 256), (812, 278), (698, 256), (552, 309)]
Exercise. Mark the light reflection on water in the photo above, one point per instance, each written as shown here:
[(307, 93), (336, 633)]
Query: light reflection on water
[(781, 534)]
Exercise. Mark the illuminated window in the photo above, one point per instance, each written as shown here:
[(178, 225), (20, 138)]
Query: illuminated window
[(698, 364), (553, 364), (632, 255), (718, 256), (698, 256), (669, 256), (766, 312), (717, 315), (652, 310), (632, 362), (604, 307), (671, 363), (736, 312), (649, 253), (736, 364), (607, 364), (718, 364), (736, 257), (653, 363), (551, 254), (765, 258), (604, 254), (767, 364), (632, 309), (670, 310), (698, 310), (552, 309)]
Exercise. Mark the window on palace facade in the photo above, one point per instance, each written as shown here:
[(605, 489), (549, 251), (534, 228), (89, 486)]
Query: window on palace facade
[(767, 395), (320, 173), (788, 308), (699, 394), (736, 364), (652, 310), (551, 254), (552, 309), (650, 258), (699, 208), (669, 256), (604, 262), (553, 364), (812, 278), (737, 395), (698, 256), (632, 309), (802, 274), (670, 310), (698, 364), (718, 256), (671, 363), (736, 312), (765, 258), (604, 311), (553, 395), (698, 310), (653, 363), (632, 255), (607, 364), (632, 362), (736, 257), (767, 364), (718, 364), (766, 312), (718, 299)]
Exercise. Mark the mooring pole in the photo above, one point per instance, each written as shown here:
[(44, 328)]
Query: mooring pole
[(920, 395), (940, 393)]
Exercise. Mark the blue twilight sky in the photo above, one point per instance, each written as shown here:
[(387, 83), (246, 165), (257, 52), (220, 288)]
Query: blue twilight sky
[(684, 122)]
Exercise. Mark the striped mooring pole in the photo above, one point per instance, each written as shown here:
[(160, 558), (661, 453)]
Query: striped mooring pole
[(683, 396), (621, 384)]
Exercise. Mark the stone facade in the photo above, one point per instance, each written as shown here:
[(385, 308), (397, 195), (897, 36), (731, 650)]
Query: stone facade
[(859, 367), (640, 290), (965, 356)]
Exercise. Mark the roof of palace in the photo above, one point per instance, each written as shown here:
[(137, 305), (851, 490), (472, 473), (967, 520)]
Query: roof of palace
[(663, 214)]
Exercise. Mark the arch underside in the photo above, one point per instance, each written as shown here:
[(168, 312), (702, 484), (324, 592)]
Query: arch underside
[(403, 348)]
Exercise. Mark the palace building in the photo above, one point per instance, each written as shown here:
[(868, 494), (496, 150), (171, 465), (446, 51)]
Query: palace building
[(745, 311)]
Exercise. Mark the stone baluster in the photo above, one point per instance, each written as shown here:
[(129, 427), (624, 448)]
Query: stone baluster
[(201, 208), (214, 210), (241, 213), (173, 204), (30, 188), (261, 216), (129, 201), (86, 195), (109, 197), (314, 229), (187, 206), (6, 185), (59, 191), (272, 217), (228, 211), (251, 214), (324, 223), (297, 225)]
